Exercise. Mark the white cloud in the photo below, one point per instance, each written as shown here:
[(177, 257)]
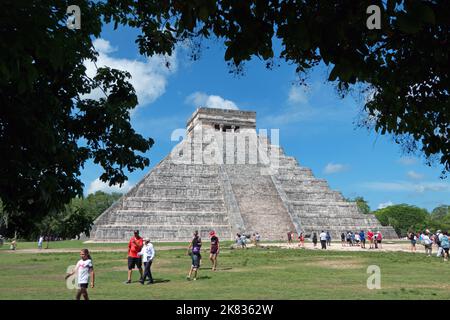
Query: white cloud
[(408, 186), (385, 204), (335, 168), (414, 175), (148, 77), (297, 95), (201, 99), (98, 185), (407, 161)]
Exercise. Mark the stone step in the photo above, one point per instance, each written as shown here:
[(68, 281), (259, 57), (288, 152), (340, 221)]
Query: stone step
[(170, 218), (169, 205), (179, 193)]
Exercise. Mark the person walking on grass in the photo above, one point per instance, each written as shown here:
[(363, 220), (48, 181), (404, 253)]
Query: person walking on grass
[(437, 240), (323, 239), (214, 250), (194, 251), (301, 239), (343, 239), (428, 244), (134, 260), (314, 239), (412, 239), (445, 245), (85, 269), (147, 254)]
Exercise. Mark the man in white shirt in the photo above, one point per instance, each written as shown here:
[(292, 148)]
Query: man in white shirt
[(147, 253), (323, 239), (439, 236)]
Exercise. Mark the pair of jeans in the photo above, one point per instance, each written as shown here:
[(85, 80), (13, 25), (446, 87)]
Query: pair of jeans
[(147, 271), (323, 243)]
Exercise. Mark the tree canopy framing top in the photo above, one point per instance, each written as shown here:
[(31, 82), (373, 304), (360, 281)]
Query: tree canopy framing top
[(43, 115)]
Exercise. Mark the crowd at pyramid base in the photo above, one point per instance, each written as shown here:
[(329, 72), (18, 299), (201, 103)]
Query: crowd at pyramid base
[(226, 177)]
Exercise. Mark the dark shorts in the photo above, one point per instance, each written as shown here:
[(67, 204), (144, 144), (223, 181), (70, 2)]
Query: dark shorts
[(196, 261), (134, 262), (83, 285), (214, 250), (413, 242), (379, 241), (446, 250)]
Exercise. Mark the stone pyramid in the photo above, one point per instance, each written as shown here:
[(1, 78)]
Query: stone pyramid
[(226, 177)]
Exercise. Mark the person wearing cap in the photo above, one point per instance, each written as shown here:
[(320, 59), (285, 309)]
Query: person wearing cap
[(134, 260), (147, 253), (214, 251)]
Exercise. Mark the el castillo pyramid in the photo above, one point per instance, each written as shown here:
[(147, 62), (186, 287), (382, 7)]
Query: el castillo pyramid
[(226, 177)]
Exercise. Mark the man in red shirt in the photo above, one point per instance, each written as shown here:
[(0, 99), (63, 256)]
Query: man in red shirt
[(134, 247), (370, 238)]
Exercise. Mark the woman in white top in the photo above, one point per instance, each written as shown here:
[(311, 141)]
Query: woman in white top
[(85, 270)]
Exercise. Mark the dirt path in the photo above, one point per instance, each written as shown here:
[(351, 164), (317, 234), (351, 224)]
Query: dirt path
[(386, 247)]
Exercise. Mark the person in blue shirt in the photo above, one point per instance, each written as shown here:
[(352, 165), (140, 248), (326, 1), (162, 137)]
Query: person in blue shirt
[(445, 245), (362, 238)]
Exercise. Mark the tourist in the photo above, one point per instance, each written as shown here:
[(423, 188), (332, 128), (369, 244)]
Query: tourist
[(194, 252), (343, 239), (301, 239), (352, 236), (323, 239), (375, 242), (243, 241), (314, 239), (147, 254), (362, 238), (328, 238), (379, 239), (257, 239), (289, 237), (349, 238), (85, 270), (214, 250), (426, 241), (370, 238), (134, 260), (413, 239), (40, 241), (13, 245), (445, 245), (357, 239), (437, 241)]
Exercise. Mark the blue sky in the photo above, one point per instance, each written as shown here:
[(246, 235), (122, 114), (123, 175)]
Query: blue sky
[(316, 126)]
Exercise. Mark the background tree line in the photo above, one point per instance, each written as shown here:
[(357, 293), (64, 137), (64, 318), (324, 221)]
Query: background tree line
[(77, 217), (405, 217)]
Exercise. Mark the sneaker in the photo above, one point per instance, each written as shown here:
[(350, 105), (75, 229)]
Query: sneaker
[(127, 282), (195, 279), (141, 281), (188, 278)]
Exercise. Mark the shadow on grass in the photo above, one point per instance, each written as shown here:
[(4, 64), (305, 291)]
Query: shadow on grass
[(160, 280)]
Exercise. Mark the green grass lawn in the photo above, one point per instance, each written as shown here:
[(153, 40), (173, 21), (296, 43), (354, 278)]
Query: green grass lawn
[(254, 273)]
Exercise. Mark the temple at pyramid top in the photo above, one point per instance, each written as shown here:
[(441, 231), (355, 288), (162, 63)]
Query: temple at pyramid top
[(225, 120), (196, 187)]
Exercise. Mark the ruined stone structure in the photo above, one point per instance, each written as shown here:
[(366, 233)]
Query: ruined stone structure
[(226, 177)]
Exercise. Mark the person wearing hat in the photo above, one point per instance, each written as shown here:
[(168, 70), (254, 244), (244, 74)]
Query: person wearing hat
[(134, 260), (147, 253), (214, 251)]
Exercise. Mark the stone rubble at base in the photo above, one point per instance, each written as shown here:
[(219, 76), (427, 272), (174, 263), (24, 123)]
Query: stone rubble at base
[(225, 177)]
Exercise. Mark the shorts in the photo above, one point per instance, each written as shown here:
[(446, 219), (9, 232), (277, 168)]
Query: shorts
[(83, 285), (413, 243), (134, 262), (196, 260), (379, 241), (213, 251), (446, 250)]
